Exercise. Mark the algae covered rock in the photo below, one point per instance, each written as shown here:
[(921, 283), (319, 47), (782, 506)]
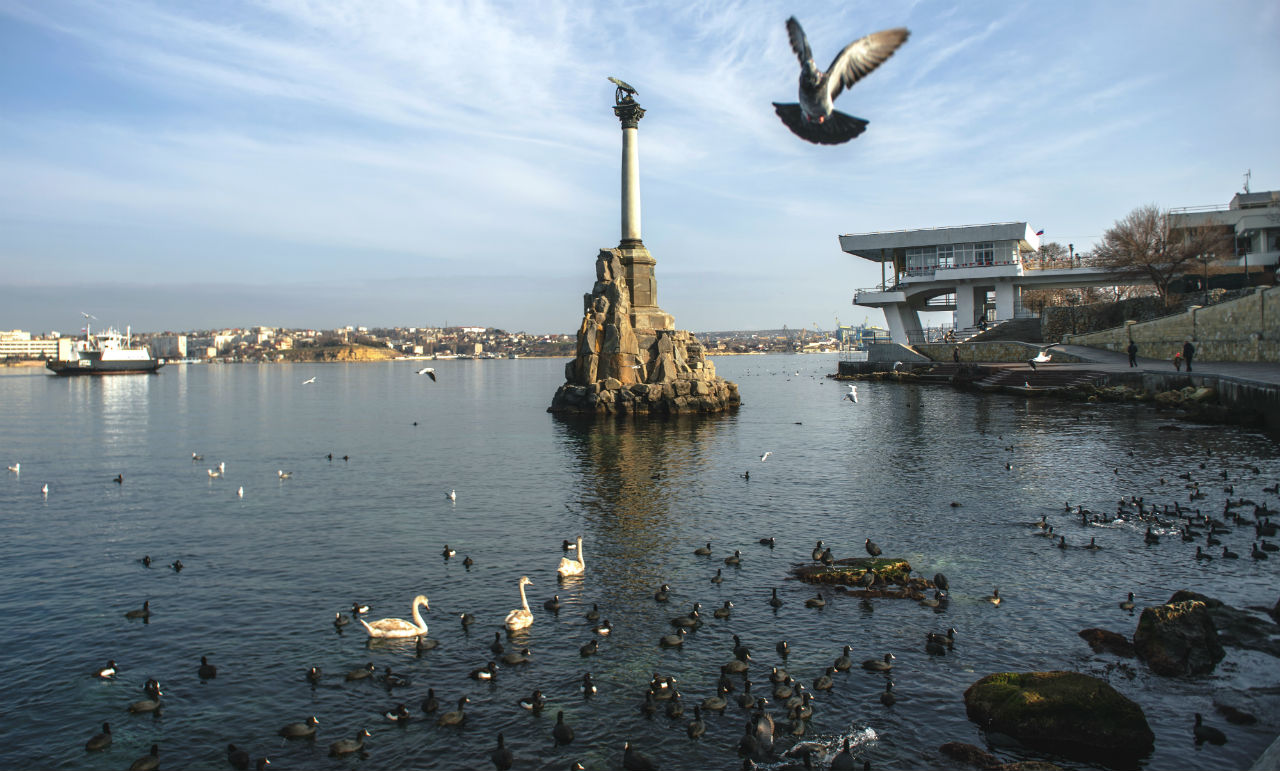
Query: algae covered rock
[(1106, 641), (1178, 639), (1236, 628), (1067, 713), (967, 753), (849, 571)]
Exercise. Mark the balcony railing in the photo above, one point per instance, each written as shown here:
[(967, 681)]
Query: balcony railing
[(893, 288), (931, 270)]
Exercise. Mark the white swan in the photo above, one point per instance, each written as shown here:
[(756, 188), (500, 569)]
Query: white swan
[(570, 567), (398, 627), (520, 618)]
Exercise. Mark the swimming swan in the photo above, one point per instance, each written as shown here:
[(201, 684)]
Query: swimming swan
[(570, 567), (398, 627), (521, 618)]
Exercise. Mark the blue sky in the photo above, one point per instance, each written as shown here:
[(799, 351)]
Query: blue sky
[(329, 162)]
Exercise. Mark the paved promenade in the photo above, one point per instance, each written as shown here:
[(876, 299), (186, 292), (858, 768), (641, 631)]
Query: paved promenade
[(1100, 359)]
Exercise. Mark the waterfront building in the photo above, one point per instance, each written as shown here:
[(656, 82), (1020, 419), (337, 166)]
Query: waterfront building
[(1253, 222), (16, 344), (168, 346), (977, 271)]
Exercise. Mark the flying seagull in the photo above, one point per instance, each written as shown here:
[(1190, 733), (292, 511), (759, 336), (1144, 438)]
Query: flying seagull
[(813, 119), (310, 380), (429, 372), (853, 394), (1041, 358)]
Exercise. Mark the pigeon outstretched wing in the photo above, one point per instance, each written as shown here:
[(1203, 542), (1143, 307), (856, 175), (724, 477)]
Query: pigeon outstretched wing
[(799, 43), (861, 57)]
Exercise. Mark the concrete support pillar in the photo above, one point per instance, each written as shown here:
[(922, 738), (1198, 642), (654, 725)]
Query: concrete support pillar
[(1004, 300), (904, 323), (965, 312)]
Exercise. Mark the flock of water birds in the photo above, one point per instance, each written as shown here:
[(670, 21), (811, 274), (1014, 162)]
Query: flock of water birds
[(777, 711), (762, 740)]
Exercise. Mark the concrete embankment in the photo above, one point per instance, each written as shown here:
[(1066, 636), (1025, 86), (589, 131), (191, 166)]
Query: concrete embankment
[(1228, 392)]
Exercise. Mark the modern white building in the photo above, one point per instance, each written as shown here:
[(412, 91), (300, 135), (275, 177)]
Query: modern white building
[(1254, 220), (168, 346), (16, 344), (977, 271)]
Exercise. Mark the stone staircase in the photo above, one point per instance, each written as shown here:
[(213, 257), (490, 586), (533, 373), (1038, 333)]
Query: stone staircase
[(1019, 330), (1044, 379)]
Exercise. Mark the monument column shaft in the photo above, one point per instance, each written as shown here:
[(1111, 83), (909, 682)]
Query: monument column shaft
[(630, 184)]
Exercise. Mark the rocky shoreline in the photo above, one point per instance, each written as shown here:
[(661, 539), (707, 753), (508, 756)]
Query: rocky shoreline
[(1194, 404)]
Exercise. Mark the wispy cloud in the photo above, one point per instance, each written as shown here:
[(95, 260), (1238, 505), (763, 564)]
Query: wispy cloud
[(273, 140)]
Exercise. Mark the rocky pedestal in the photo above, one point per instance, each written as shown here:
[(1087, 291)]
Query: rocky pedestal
[(630, 358)]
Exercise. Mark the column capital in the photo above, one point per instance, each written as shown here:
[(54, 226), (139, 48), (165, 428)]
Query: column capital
[(629, 112)]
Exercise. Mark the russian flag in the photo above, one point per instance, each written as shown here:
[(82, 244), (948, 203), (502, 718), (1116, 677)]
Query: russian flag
[(1039, 232)]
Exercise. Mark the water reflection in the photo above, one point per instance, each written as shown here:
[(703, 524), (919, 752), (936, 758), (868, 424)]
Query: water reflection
[(638, 486)]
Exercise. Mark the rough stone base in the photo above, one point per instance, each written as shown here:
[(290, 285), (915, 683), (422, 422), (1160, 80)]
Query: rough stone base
[(625, 364)]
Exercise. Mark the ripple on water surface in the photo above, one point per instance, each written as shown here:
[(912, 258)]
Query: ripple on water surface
[(265, 574)]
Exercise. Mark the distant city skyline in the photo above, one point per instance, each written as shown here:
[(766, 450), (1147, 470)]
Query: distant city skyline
[(304, 165)]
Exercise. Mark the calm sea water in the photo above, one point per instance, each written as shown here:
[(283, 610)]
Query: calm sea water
[(265, 573)]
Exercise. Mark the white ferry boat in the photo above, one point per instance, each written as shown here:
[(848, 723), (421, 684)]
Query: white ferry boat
[(106, 353)]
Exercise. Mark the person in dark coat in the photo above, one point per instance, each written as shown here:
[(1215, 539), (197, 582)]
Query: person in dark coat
[(1133, 354), (1188, 352), (955, 354)]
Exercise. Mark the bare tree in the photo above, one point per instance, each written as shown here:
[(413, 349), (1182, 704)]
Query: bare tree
[(1144, 245)]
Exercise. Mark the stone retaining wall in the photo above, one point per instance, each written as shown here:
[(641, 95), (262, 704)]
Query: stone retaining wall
[(1245, 329), (994, 351)]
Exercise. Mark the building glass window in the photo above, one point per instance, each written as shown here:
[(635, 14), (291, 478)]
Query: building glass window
[(984, 253), (921, 259), (946, 256), (963, 254)]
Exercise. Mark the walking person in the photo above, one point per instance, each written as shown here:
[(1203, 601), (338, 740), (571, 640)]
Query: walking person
[(1188, 353), (955, 354), (1177, 360), (1133, 354)]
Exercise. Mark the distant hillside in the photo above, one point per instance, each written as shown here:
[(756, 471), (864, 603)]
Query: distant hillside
[(323, 353)]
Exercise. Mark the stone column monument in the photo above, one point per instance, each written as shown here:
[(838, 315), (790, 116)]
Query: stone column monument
[(630, 357)]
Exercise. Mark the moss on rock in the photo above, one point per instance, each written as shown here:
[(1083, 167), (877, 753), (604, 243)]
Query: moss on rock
[(1178, 639), (1067, 713), (849, 571)]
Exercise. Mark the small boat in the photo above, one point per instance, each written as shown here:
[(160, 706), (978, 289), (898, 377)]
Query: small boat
[(104, 353)]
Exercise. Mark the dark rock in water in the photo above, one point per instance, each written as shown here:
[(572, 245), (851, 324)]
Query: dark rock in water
[(1026, 765), (1234, 714), (1067, 713), (967, 753), (1186, 595), (1178, 639), (1275, 612), (1237, 628), (1105, 641), (849, 571)]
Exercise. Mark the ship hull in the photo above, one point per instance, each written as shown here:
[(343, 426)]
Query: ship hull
[(90, 367)]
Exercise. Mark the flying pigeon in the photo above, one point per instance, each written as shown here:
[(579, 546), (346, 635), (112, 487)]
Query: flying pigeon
[(813, 119)]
